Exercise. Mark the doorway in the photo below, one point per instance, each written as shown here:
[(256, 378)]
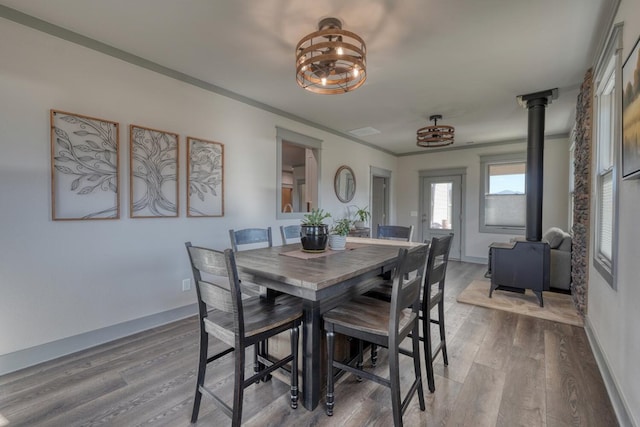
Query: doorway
[(441, 207), (380, 184)]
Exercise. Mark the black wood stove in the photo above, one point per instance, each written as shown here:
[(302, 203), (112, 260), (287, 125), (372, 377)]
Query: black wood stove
[(524, 264)]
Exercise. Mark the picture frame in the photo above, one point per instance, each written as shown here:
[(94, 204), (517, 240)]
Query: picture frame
[(205, 178), (153, 173), (631, 114), (85, 167)]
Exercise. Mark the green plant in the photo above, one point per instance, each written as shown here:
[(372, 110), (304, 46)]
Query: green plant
[(362, 214), (341, 227), (315, 217)]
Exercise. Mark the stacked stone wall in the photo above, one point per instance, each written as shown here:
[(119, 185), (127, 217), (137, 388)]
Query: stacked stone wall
[(582, 195)]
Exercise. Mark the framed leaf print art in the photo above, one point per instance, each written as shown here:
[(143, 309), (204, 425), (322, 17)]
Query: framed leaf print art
[(205, 178), (84, 167), (153, 168)]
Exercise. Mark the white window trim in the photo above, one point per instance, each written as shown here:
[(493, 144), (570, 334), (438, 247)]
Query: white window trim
[(485, 161), (607, 268)]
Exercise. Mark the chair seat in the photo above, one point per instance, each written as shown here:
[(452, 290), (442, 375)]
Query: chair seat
[(368, 315), (260, 315)]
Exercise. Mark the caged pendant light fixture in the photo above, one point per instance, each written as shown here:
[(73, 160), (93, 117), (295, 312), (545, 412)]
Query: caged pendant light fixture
[(331, 60), (435, 135)]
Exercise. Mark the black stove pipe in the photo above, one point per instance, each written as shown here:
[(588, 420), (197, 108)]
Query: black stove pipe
[(536, 103)]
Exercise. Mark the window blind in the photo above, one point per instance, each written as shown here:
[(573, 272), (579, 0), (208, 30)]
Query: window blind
[(606, 215)]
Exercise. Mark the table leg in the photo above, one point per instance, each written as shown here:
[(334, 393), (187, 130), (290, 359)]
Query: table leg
[(312, 357)]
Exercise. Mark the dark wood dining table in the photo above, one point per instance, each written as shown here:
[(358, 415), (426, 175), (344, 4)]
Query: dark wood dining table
[(322, 282)]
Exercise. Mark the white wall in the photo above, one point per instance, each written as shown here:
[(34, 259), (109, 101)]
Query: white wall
[(555, 187), (60, 279), (614, 315)]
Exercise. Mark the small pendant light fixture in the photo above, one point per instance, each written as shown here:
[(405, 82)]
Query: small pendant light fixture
[(331, 60), (436, 135)]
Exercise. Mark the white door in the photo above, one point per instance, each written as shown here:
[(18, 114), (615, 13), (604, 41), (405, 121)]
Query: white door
[(442, 210)]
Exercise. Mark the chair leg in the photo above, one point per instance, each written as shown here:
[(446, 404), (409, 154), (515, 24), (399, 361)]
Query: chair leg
[(256, 364), (415, 339), (330, 345), (265, 353), (374, 355), (202, 368), (359, 363), (443, 335), (426, 331), (294, 367), (394, 380), (238, 389)]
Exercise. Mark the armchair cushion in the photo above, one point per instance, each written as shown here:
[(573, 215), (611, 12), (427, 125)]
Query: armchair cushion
[(565, 246), (560, 244), (555, 237)]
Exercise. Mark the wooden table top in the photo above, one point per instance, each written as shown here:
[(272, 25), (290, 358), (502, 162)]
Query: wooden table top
[(319, 273)]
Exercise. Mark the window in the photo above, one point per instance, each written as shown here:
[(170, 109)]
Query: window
[(298, 177), (607, 103), (503, 194), (441, 205)]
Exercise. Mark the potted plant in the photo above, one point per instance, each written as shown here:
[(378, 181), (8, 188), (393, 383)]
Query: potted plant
[(313, 232), (339, 232), (362, 215)]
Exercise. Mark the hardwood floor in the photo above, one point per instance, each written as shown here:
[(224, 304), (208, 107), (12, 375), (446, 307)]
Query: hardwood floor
[(504, 369)]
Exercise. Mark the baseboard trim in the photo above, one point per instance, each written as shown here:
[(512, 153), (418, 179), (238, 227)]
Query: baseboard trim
[(617, 398), (41, 353), (474, 259)]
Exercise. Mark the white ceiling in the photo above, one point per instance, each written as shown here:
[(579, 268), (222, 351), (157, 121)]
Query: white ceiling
[(464, 59)]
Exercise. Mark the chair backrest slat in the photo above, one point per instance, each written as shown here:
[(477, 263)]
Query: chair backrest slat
[(216, 297), (290, 233), (438, 261), (208, 261), (250, 236), (406, 292), (395, 232)]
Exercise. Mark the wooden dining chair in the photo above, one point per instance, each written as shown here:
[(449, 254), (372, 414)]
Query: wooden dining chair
[(251, 238), (436, 273), (239, 321), (257, 237), (389, 232), (384, 324), (290, 234), (395, 232)]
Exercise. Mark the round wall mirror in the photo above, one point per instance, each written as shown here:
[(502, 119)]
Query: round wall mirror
[(345, 184)]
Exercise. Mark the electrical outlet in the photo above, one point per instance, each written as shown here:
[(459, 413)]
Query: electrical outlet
[(186, 285)]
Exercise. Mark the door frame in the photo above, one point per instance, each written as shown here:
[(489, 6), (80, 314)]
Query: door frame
[(380, 173), (436, 173)]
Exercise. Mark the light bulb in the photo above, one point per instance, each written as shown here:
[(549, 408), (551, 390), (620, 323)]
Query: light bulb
[(324, 81), (339, 51), (356, 72)]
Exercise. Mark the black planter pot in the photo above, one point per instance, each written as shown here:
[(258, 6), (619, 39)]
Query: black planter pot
[(314, 237)]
